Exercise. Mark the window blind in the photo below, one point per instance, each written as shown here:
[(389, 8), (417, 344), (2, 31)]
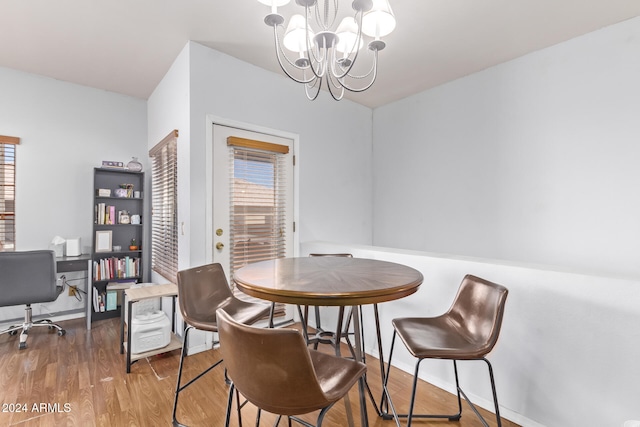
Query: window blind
[(164, 207), (257, 208), (8, 192)]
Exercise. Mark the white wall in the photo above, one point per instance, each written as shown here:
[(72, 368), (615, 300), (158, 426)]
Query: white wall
[(334, 152), (169, 109), (568, 349), (533, 160), (66, 130)]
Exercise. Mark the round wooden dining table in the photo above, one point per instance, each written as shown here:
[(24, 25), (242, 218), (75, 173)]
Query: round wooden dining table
[(332, 281)]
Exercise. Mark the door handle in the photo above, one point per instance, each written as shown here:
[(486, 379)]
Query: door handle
[(219, 246)]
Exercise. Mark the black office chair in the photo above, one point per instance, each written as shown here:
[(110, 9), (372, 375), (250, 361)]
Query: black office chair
[(28, 277)]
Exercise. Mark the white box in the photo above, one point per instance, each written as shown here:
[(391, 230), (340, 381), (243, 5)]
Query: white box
[(73, 247), (150, 331)]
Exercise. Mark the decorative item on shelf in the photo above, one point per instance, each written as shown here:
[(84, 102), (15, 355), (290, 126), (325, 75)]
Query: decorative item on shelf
[(134, 165), (104, 192), (123, 217), (135, 219), (117, 248), (133, 246), (125, 190), (108, 164), (103, 241)]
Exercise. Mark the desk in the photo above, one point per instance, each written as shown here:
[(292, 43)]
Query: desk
[(331, 281), (68, 264)]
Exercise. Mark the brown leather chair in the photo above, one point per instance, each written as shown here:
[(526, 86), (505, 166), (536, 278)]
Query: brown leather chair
[(276, 371), (468, 331), (201, 291)]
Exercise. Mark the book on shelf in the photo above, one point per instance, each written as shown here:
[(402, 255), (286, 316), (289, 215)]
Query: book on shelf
[(121, 285), (98, 301), (105, 214), (111, 302), (116, 268)]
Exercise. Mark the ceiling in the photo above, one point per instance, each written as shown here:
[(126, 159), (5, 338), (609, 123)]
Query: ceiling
[(127, 46)]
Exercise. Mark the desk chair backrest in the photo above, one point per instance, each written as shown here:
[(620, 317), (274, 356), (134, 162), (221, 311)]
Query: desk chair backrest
[(27, 277)]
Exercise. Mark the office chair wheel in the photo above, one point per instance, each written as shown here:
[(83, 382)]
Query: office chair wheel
[(13, 332), (61, 332), (22, 345)]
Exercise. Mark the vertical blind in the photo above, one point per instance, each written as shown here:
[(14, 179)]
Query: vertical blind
[(257, 208), (164, 207), (8, 192)]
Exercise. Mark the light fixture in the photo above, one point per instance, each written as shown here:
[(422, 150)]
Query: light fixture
[(324, 54)]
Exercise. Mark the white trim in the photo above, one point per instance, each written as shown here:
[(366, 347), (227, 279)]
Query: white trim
[(210, 121)]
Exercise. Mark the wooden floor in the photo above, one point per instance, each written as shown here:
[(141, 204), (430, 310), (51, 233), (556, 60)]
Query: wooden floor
[(79, 380)]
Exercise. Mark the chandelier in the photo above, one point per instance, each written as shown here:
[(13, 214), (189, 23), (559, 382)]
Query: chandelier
[(319, 53)]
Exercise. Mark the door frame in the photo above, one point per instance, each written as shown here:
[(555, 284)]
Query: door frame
[(216, 120)]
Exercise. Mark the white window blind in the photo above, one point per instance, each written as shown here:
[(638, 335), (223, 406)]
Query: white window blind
[(257, 194), (8, 192), (164, 205)]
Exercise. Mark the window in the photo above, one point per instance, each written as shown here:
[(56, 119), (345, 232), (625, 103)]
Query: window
[(257, 208), (8, 192), (259, 186), (164, 207)]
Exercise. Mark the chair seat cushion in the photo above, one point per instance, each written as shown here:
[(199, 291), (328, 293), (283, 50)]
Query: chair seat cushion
[(438, 337), (243, 312)]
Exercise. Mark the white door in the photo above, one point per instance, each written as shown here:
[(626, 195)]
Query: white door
[(252, 197)]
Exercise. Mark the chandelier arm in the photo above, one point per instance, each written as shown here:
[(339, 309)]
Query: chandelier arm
[(311, 53), (316, 82), (279, 51), (374, 69), (371, 70), (355, 55), (339, 87)]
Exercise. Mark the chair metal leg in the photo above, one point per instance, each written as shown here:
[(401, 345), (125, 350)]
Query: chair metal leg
[(272, 311), (386, 399), (303, 322), (179, 388), (229, 405), (495, 398), (28, 324)]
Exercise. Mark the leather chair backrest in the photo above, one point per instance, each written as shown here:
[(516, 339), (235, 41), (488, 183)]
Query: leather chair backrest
[(272, 368), (477, 310), (27, 277), (201, 291)]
